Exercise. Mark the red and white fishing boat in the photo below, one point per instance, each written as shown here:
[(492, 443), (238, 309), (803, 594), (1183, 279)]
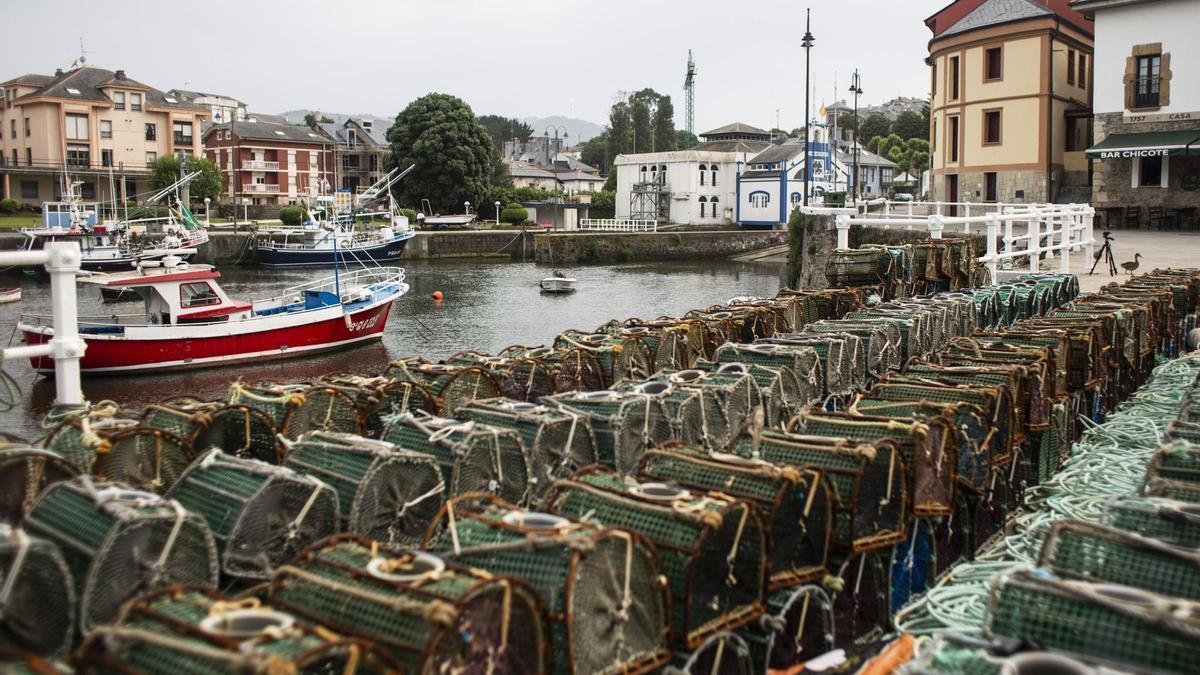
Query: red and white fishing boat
[(188, 321)]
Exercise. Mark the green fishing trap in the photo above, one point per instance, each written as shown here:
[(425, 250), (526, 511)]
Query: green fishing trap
[(1177, 461), (626, 424), (916, 330), (997, 402), (880, 342), (842, 364), (380, 398), (861, 267), (543, 371), (724, 653), (803, 363), (237, 430), (1169, 520), (37, 595), (730, 400), (449, 386), (691, 411), (300, 408), (121, 450), (24, 473), (797, 626), (622, 356)]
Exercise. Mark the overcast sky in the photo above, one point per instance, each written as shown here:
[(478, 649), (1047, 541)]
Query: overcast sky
[(507, 57)]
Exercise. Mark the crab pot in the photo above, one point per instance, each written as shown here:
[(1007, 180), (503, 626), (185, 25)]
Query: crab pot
[(748, 322), (802, 361), (841, 363), (450, 386), (1178, 461), (668, 344), (798, 626), (380, 398), (862, 603), (929, 449), (869, 498), (1075, 549), (720, 326), (582, 571), (542, 371), (384, 492), (861, 267), (916, 329), (622, 357), (121, 450), (954, 535), (24, 473), (1119, 626), (499, 367), (997, 404), (199, 631), (776, 388), (417, 607), (880, 342), (1168, 520), (795, 503), (275, 400), (626, 424), (299, 408), (730, 401), (38, 597), (183, 416), (712, 547), (688, 410), (119, 542), (558, 442), (237, 430), (724, 653), (260, 515), (825, 303), (914, 563)]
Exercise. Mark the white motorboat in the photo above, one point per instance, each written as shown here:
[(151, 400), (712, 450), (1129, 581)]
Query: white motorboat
[(558, 283)]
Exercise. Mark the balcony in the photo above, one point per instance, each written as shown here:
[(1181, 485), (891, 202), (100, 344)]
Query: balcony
[(259, 165), (1143, 92), (180, 139), (261, 188)]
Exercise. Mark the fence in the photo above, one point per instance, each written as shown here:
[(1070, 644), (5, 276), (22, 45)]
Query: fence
[(1048, 230), (618, 225), (62, 260)]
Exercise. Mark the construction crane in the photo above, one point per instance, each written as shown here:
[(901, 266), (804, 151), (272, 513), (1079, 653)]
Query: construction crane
[(689, 96)]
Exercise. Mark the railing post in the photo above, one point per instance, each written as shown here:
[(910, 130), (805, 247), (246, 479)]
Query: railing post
[(1088, 224), (65, 347), (993, 233), (1008, 229), (1052, 217), (1034, 237), (1064, 254), (936, 225), (910, 208), (842, 223)]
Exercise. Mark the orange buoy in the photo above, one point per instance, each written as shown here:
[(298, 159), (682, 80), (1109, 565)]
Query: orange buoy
[(437, 296)]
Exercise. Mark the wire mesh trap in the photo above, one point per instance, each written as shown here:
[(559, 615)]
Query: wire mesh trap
[(712, 547), (1178, 461), (862, 267), (24, 473), (120, 542), (870, 503), (880, 343), (775, 387), (841, 365), (731, 400), (797, 626), (802, 361), (472, 457), (1168, 520), (260, 515), (724, 653), (274, 400), (379, 398), (608, 609), (861, 599), (197, 630), (428, 614), (450, 386), (687, 409), (386, 493), (238, 430), (37, 596), (795, 503), (558, 442), (622, 356), (670, 345), (626, 424), (542, 371), (122, 450)]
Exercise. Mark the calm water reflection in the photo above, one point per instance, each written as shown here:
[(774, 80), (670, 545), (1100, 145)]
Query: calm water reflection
[(488, 305)]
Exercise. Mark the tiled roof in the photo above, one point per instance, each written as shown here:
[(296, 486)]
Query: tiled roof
[(995, 12), (736, 128), (271, 130), (527, 170), (779, 152), (85, 84), (732, 146), (31, 79)]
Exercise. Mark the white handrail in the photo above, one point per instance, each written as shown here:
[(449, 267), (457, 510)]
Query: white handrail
[(61, 259), (618, 225)]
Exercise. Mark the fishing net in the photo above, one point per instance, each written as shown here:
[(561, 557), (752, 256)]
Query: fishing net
[(608, 609), (37, 596), (1075, 549), (839, 372), (430, 615), (236, 429), (120, 542), (24, 473), (724, 653), (121, 450), (558, 442), (472, 457), (687, 409), (196, 630), (712, 547), (379, 398), (625, 423), (260, 515), (861, 602), (797, 626), (450, 386), (1168, 520), (795, 503), (384, 492), (928, 446), (1119, 625), (622, 356), (730, 401), (801, 361), (542, 371), (869, 503)]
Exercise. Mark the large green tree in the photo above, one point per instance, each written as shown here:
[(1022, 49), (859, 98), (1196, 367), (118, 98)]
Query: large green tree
[(875, 125), (454, 155), (165, 171), (911, 125), (643, 134), (595, 150), (685, 139), (664, 125), (503, 129), (620, 131)]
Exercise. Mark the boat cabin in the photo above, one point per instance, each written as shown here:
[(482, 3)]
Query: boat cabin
[(177, 294)]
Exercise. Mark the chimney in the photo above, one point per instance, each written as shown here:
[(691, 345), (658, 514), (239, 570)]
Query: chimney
[(58, 72), (120, 74)]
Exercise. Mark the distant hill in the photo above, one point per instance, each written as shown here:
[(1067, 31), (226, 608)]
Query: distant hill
[(578, 130)]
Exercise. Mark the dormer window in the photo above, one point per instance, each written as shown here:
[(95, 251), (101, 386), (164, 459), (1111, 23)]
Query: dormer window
[(118, 100)]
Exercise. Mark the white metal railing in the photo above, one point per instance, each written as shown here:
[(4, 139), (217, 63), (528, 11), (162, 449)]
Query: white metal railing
[(349, 280), (1044, 230), (618, 225), (261, 187), (259, 165), (61, 259)]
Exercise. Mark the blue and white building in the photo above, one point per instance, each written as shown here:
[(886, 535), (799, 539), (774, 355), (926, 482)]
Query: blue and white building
[(771, 183)]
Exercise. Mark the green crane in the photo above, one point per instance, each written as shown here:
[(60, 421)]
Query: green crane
[(689, 95)]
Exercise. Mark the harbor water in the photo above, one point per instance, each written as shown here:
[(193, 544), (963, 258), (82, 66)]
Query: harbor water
[(488, 305)]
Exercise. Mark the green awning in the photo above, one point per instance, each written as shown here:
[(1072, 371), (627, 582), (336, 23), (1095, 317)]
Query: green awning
[(1149, 144)]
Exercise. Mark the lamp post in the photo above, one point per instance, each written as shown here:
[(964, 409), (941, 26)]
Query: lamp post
[(467, 206), (497, 215), (856, 89), (807, 43), (546, 133), (207, 200)]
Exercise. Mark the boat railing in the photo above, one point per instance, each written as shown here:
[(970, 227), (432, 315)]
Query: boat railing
[(356, 238), (85, 322), (345, 280)]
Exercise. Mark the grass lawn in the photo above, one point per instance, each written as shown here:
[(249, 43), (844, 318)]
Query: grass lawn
[(19, 221)]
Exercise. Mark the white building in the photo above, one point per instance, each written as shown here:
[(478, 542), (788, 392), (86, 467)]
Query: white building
[(772, 184), (875, 173), (223, 107)]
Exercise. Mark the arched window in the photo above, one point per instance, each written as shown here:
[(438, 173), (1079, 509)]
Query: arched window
[(643, 173), (760, 199), (703, 169), (796, 199), (714, 175), (715, 213), (703, 207)]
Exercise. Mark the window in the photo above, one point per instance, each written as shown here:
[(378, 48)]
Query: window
[(135, 102), (796, 198), (703, 207), (953, 78), (151, 131), (106, 157), (760, 199), (933, 79), (1077, 130), (713, 201), (105, 128), (1070, 66), (991, 127), (28, 156), (12, 126), (182, 132), (714, 177), (28, 128), (77, 127), (1082, 81), (1150, 172), (79, 155), (197, 294), (14, 156), (170, 99), (151, 157), (992, 64), (643, 173), (703, 169), (1147, 84), (29, 189), (989, 186), (73, 91), (953, 131), (118, 100), (87, 191)]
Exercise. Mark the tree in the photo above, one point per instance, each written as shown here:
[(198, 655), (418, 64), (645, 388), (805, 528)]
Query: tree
[(604, 205), (847, 122), (454, 155), (887, 143), (643, 136), (503, 129), (664, 125), (595, 151), (875, 125), (685, 139), (514, 214), (911, 125), (620, 131), (312, 118), (165, 171)]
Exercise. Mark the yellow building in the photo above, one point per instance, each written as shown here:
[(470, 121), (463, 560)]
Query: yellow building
[(91, 122), (1011, 101)]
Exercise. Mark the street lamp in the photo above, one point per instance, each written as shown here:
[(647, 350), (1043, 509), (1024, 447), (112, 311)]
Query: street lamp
[(546, 133), (807, 43), (207, 200), (497, 215), (856, 89)]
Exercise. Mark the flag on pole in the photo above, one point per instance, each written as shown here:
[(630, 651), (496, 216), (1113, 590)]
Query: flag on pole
[(821, 111)]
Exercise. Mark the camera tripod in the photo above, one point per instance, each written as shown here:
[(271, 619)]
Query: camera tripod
[(1105, 252)]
